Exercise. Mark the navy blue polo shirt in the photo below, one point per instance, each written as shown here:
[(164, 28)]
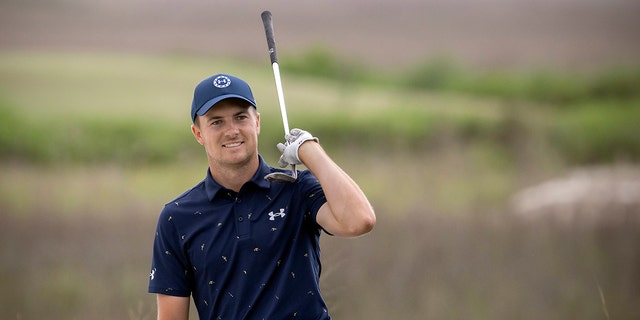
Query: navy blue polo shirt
[(248, 255)]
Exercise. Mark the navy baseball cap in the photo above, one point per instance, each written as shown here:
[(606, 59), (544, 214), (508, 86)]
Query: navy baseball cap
[(217, 88)]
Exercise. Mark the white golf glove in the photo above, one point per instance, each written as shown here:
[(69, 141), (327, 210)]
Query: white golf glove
[(289, 149)]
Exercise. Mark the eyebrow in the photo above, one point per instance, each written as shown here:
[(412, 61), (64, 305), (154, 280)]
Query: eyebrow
[(234, 115)]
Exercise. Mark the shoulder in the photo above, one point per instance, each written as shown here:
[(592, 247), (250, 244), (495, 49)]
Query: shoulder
[(309, 190), (191, 198), (306, 175), (307, 181), (195, 193)]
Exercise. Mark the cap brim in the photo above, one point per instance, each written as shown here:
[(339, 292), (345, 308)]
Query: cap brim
[(205, 107)]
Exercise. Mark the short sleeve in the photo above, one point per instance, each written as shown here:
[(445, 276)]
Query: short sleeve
[(170, 273), (313, 195)]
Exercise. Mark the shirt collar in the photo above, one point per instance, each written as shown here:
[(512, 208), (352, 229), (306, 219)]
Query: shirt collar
[(212, 187)]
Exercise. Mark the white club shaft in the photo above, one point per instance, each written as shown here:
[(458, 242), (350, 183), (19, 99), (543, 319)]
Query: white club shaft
[(283, 108)]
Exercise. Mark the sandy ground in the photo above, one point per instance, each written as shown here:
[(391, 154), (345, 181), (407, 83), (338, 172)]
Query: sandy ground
[(386, 33)]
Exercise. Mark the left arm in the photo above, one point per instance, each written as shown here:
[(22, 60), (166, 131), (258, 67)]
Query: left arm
[(347, 212)]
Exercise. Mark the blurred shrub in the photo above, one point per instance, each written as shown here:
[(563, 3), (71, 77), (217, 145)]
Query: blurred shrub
[(438, 74), (444, 74), (124, 141), (557, 87), (320, 63), (18, 139), (598, 132), (584, 134), (381, 130), (620, 83)]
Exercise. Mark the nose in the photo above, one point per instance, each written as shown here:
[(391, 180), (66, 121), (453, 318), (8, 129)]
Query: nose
[(231, 129)]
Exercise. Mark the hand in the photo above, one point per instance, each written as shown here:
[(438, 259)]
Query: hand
[(289, 149)]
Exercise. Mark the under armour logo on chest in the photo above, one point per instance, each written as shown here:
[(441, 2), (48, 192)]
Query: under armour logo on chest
[(272, 215)]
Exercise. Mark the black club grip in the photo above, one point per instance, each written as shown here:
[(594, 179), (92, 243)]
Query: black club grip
[(268, 30)]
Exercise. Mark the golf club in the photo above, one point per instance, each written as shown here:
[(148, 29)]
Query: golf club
[(271, 43)]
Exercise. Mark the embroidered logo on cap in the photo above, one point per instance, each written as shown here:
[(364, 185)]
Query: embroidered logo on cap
[(221, 82)]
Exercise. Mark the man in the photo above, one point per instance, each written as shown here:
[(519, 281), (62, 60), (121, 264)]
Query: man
[(242, 246)]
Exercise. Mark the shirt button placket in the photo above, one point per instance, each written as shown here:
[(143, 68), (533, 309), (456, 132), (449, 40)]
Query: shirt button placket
[(242, 226)]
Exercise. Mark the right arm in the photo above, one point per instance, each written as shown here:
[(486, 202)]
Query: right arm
[(167, 269), (172, 307)]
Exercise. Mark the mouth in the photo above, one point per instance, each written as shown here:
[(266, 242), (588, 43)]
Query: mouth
[(232, 144)]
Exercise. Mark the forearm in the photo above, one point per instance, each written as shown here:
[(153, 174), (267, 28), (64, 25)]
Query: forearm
[(172, 308), (350, 212)]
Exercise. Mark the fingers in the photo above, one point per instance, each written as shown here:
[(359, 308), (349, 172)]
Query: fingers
[(294, 139), (282, 163), (294, 134)]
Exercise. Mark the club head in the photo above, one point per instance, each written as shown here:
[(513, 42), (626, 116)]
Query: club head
[(283, 177), (279, 177)]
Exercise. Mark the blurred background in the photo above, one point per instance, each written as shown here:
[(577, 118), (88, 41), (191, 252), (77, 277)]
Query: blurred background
[(499, 141)]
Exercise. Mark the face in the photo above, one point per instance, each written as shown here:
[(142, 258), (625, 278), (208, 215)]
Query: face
[(229, 133)]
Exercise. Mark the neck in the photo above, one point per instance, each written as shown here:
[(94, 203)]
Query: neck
[(234, 177)]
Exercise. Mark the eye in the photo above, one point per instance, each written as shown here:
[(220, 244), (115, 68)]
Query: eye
[(216, 122), (241, 117)]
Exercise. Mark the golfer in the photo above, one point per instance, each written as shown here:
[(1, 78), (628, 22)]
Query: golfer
[(244, 247)]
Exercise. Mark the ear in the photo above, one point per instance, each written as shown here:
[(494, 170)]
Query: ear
[(197, 133), (258, 123)]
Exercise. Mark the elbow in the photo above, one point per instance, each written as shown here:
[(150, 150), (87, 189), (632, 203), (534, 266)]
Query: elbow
[(368, 223), (365, 224)]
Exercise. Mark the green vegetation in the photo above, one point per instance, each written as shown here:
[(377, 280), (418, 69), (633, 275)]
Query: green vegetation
[(444, 74), (586, 119), (93, 141)]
